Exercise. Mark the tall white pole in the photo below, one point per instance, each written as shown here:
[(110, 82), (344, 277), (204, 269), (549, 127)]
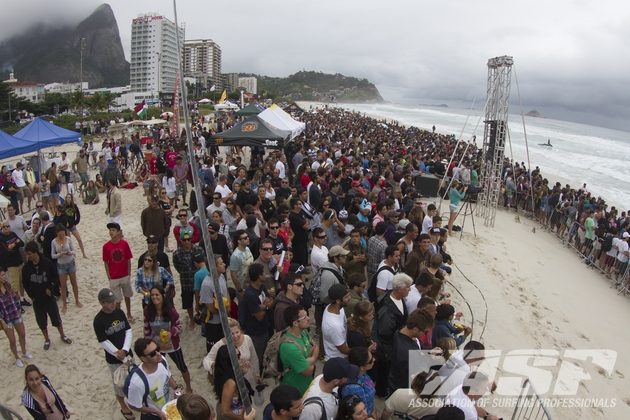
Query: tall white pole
[(240, 380)]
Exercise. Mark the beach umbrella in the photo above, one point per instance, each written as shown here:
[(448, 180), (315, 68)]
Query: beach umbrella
[(204, 101), (166, 114)]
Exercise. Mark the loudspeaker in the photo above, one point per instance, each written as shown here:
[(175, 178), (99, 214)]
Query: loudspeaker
[(428, 185)]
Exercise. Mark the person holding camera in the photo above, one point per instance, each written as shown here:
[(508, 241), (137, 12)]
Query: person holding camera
[(456, 194)]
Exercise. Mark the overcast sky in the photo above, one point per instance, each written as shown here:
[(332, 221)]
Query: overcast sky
[(572, 58)]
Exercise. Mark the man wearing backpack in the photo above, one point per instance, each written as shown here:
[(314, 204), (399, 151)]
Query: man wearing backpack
[(148, 385), (114, 334), (335, 323), (297, 354), (386, 270), (329, 273), (320, 399)]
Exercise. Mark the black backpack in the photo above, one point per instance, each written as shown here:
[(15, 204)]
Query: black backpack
[(607, 243), (318, 401), (372, 288)]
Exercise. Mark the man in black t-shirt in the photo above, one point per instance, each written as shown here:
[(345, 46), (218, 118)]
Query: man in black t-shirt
[(113, 333), (218, 242), (278, 243), (152, 250), (300, 227), (254, 310)]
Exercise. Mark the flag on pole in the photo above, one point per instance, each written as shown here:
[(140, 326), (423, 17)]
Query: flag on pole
[(176, 99), (223, 97), (213, 88), (141, 110)]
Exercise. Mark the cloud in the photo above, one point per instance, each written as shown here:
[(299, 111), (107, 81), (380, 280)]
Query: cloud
[(570, 55), (21, 15)]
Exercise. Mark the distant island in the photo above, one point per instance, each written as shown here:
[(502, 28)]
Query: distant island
[(318, 86), (534, 113)]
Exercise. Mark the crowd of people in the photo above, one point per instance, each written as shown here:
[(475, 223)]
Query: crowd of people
[(329, 261)]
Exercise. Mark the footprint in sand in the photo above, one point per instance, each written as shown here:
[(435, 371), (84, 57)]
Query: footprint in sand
[(619, 374), (585, 337), (627, 401)]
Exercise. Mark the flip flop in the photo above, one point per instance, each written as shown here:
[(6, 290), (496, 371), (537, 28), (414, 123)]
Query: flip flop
[(46, 344), (66, 339)]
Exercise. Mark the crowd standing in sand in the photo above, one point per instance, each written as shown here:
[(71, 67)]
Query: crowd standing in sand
[(332, 228)]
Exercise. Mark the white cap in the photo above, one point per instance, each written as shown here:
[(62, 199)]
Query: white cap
[(626, 235)]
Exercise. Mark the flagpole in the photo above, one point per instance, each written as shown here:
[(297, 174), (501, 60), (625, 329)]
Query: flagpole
[(238, 373)]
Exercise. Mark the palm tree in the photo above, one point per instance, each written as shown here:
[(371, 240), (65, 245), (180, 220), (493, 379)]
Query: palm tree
[(77, 100)]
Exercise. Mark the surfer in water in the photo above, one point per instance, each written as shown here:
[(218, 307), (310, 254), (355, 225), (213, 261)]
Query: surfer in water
[(548, 144)]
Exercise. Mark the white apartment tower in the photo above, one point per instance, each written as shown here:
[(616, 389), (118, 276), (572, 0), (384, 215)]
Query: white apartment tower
[(154, 54), (250, 84), (202, 60)]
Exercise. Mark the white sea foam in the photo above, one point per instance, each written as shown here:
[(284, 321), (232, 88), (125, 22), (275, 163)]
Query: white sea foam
[(581, 154)]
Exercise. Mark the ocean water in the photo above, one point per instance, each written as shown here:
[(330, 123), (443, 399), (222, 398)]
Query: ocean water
[(581, 153)]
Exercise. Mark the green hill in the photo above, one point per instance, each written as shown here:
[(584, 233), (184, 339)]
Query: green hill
[(318, 86)]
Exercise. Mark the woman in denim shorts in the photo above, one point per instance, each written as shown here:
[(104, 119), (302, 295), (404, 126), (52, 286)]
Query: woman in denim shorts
[(63, 251), (11, 318)]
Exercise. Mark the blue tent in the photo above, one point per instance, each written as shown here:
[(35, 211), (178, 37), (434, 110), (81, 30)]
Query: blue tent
[(12, 146), (45, 134)]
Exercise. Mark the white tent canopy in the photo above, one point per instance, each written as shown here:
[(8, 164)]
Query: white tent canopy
[(278, 118), (226, 106)]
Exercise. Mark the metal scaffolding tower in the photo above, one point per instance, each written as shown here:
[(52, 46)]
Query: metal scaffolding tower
[(495, 133)]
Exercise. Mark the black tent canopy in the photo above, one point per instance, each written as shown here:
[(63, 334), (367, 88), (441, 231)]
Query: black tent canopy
[(252, 132)]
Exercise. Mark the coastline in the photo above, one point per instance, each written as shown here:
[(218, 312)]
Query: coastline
[(554, 164), (539, 297)]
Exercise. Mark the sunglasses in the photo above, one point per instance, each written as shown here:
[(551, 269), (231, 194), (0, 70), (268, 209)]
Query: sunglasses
[(321, 237), (39, 207), (298, 284), (181, 215), (266, 249), (274, 227), (243, 238), (153, 353)]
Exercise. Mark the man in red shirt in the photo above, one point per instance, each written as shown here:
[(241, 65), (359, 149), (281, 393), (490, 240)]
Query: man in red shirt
[(117, 259)]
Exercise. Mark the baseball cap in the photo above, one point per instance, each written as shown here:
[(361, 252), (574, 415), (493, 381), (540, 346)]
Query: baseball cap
[(337, 291), (184, 234), (337, 250), (435, 231), (339, 368), (625, 235), (106, 296), (402, 223), (152, 239), (214, 226), (232, 168), (198, 259), (113, 225)]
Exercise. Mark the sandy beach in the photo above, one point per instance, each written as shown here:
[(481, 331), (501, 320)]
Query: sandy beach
[(539, 296)]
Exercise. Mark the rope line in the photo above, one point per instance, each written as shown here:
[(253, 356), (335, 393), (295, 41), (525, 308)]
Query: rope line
[(483, 297)]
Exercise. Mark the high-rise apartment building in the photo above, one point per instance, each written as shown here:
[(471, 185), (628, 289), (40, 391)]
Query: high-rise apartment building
[(154, 54), (202, 60), (250, 84)]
